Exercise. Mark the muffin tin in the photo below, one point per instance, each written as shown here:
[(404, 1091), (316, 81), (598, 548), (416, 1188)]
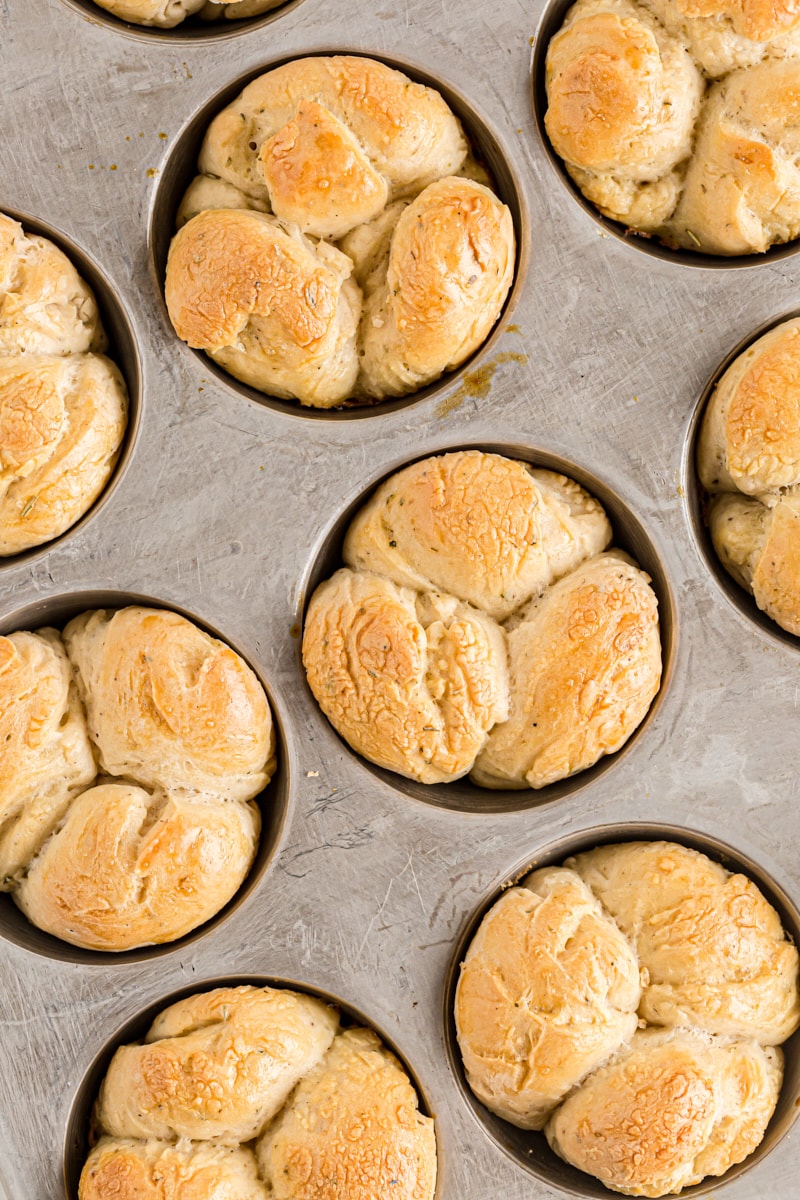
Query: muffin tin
[(227, 509)]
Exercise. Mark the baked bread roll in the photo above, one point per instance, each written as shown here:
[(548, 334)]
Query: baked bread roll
[(62, 421), (750, 436), (725, 34), (407, 659), (742, 191), (760, 548), (131, 868), (434, 526), (216, 1066), (448, 272), (45, 306), (351, 1128), (405, 130), (713, 947), (184, 725), (170, 706), (705, 168), (623, 98), (673, 1108), (130, 1170), (549, 999), (548, 990), (47, 755), (327, 148), (63, 408), (584, 667), (269, 306), (335, 1112), (413, 682)]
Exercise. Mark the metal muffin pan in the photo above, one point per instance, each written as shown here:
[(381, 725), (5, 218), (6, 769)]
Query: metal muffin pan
[(122, 350), (552, 19), (81, 1128), (697, 498), (531, 1149), (180, 168), (192, 30), (629, 535), (225, 506), (273, 802)]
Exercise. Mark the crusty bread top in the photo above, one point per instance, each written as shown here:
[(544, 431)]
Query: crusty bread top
[(548, 990), (215, 1066), (714, 948), (335, 1112), (182, 725), (488, 529), (169, 705), (352, 1127), (549, 1000), (670, 1109)]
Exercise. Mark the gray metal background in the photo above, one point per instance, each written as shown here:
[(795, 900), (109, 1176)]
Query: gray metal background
[(225, 503)]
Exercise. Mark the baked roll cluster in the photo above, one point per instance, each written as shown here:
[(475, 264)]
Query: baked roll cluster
[(748, 461), (631, 1003), (340, 242), (481, 626), (63, 404), (166, 14), (134, 744), (678, 119), (252, 1093)]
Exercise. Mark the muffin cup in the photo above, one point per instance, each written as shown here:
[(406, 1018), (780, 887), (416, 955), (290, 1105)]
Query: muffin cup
[(697, 500), (180, 167), (191, 32), (122, 350), (273, 802), (628, 534), (550, 23), (80, 1133), (530, 1149)]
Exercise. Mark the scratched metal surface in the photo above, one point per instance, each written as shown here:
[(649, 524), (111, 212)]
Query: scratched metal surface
[(225, 503)]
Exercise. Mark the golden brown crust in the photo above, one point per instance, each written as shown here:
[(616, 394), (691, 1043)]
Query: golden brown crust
[(666, 1112), (623, 97), (405, 129), (449, 270), (62, 420), (128, 868), (318, 175), (329, 146), (585, 665), (487, 529), (128, 1170), (713, 947), (336, 1113), (47, 756), (170, 706), (725, 34), (548, 990), (269, 306), (750, 437), (121, 865), (217, 1065), (413, 683), (352, 1128), (45, 306)]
